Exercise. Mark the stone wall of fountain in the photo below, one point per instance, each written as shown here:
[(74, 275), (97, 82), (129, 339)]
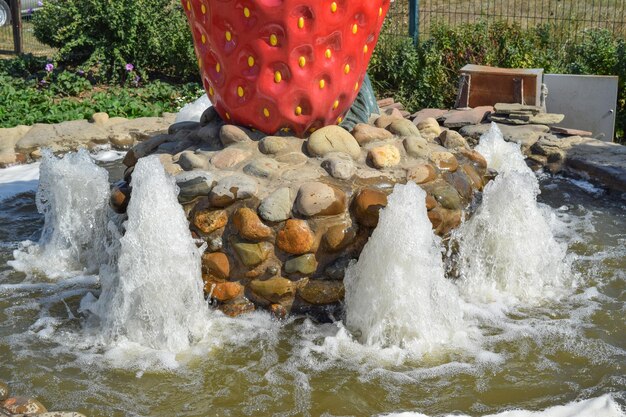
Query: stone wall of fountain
[(281, 217)]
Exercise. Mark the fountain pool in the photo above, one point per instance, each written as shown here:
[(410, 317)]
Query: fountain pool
[(561, 342)]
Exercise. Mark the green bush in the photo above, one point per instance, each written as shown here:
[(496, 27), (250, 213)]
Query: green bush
[(104, 36), (427, 75)]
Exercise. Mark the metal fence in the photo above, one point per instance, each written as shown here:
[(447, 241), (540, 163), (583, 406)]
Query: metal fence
[(570, 18), (29, 43)]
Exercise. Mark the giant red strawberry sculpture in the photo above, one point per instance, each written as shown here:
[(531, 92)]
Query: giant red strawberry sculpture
[(274, 64)]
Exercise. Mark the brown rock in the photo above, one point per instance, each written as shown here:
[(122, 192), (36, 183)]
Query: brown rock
[(253, 254), (364, 133), (452, 140), (319, 199), (474, 156), (237, 307), (216, 264), (476, 179), (429, 128), (208, 221), (223, 291), (274, 290), (296, 237), (22, 405), (250, 226), (367, 206), (120, 197), (322, 292), (339, 236), (445, 161), (278, 311), (421, 174), (386, 156), (435, 218), (385, 120), (431, 202)]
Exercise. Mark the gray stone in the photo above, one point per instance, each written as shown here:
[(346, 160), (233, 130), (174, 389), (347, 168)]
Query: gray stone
[(192, 188), (182, 126), (365, 133), (277, 206), (339, 165), (508, 108), (39, 135), (208, 116), (319, 199), (229, 158), (337, 270), (460, 118), (333, 139), (145, 148), (424, 114), (417, 147), (272, 145), (261, 167), (602, 161), (404, 128), (230, 134), (233, 188), (189, 161), (292, 158)]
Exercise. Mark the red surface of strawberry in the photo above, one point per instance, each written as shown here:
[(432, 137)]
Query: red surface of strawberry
[(275, 64)]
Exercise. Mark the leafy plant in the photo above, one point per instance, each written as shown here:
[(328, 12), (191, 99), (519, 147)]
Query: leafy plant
[(104, 36)]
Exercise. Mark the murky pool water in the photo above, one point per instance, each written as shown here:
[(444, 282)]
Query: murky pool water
[(523, 355)]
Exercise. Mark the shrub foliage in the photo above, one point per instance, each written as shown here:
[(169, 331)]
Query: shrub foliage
[(105, 35)]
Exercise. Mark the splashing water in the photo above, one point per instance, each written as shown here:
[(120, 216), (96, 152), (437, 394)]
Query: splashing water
[(396, 294), (507, 250), (73, 196), (155, 297)]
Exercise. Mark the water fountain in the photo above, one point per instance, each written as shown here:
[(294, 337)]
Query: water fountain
[(245, 273)]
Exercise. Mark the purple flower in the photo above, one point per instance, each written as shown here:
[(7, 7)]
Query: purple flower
[(40, 3), (49, 67), (80, 72), (30, 11), (130, 67)]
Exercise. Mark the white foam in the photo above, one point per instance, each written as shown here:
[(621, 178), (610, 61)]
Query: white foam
[(154, 297), (507, 250), (501, 155), (193, 111), (604, 406), (396, 294), (73, 196), (108, 155), (18, 179)]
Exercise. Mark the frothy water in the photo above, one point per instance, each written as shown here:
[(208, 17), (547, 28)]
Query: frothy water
[(604, 406), (447, 348), (397, 294), (154, 296), (73, 196), (507, 250)]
